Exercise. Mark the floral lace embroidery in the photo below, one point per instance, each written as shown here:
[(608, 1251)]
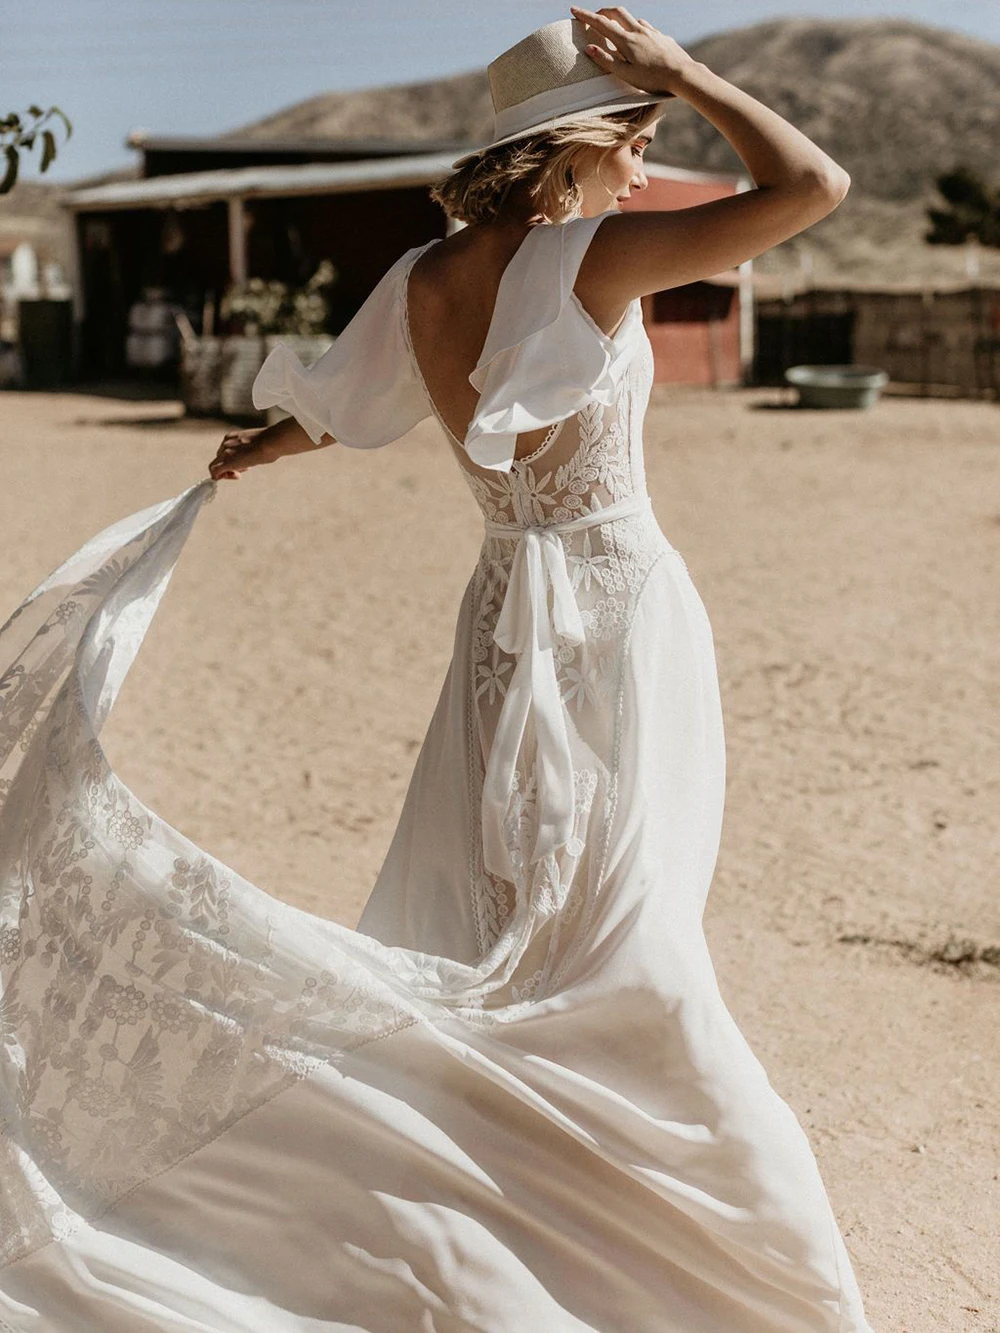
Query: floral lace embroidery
[(129, 992), (594, 462), (139, 1015)]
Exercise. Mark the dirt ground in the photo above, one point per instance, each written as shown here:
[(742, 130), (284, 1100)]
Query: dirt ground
[(850, 564)]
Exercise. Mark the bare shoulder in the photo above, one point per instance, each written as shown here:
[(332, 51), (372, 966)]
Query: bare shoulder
[(459, 270), (635, 254)]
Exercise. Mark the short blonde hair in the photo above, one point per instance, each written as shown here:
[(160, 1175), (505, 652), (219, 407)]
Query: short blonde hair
[(543, 162)]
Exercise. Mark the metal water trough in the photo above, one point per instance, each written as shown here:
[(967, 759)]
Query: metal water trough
[(837, 386)]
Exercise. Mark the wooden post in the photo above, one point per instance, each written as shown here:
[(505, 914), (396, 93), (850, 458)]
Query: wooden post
[(747, 312), (714, 350), (978, 322), (74, 276), (926, 299), (237, 241)]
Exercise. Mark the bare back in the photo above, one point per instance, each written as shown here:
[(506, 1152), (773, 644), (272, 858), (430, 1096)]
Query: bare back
[(452, 288), (450, 297)]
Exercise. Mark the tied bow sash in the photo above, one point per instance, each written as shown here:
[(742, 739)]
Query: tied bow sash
[(527, 628)]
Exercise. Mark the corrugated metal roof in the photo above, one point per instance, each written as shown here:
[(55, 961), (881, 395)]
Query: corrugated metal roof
[(379, 147), (199, 187)]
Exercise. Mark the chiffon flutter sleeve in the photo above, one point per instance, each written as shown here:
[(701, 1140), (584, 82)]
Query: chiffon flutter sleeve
[(363, 390), (544, 357)]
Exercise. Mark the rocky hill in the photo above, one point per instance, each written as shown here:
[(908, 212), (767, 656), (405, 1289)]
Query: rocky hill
[(895, 102)]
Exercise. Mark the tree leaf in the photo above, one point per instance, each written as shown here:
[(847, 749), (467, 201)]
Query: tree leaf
[(54, 111), (10, 176), (48, 149)]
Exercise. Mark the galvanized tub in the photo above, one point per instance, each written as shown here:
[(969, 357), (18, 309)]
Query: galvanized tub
[(837, 386)]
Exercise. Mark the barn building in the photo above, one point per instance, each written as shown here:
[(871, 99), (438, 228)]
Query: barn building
[(205, 212)]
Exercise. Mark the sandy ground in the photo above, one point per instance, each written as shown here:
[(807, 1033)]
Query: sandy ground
[(850, 564)]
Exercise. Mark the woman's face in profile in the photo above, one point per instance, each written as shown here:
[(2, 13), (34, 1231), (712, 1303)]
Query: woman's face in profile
[(607, 177)]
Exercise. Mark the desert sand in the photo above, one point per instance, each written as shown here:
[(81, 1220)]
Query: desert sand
[(850, 565)]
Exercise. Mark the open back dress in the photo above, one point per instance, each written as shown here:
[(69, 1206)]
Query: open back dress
[(513, 1099)]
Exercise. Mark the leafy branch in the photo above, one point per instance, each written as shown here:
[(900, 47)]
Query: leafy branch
[(17, 137), (973, 210), (260, 306)]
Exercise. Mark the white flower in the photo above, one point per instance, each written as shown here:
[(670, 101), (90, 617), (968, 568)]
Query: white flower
[(531, 497), (126, 829), (491, 677), (588, 565), (581, 686)]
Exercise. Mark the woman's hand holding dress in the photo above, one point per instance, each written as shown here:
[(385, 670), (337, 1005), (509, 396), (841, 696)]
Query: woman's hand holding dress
[(239, 450)]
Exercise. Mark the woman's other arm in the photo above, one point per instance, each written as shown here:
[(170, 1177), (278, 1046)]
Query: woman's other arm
[(242, 449)]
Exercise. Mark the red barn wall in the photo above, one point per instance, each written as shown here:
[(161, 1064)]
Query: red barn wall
[(694, 329)]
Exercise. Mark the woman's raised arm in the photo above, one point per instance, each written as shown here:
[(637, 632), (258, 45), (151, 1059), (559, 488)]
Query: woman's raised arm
[(797, 182)]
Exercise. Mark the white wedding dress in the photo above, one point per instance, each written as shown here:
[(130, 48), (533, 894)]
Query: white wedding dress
[(511, 1101)]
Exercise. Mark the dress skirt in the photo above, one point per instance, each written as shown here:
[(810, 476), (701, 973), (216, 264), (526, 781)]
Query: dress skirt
[(225, 1115)]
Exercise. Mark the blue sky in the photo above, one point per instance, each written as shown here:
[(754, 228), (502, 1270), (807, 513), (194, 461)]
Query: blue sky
[(205, 66)]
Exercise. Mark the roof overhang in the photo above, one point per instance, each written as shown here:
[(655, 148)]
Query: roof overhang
[(664, 171), (197, 188), (191, 189)]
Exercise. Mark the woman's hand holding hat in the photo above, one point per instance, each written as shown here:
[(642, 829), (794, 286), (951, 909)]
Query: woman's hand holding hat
[(633, 50)]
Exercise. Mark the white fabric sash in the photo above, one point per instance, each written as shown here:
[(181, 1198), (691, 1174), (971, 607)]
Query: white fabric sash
[(527, 629)]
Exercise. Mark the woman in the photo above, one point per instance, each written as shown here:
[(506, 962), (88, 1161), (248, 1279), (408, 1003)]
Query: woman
[(513, 1100)]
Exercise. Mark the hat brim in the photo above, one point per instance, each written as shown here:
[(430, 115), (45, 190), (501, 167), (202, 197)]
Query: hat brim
[(602, 109)]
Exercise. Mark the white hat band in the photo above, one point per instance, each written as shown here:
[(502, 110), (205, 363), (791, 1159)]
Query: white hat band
[(586, 95)]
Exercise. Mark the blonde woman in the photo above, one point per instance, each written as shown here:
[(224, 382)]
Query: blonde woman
[(513, 1099)]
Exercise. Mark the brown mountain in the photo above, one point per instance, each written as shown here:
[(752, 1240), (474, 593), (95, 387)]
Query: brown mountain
[(894, 102), (456, 109)]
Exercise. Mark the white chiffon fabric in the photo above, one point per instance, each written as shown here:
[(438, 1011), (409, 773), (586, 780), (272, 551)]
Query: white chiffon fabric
[(511, 1101)]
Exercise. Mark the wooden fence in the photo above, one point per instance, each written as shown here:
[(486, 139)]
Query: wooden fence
[(932, 343)]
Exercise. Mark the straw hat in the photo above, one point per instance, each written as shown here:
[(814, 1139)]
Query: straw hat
[(547, 79)]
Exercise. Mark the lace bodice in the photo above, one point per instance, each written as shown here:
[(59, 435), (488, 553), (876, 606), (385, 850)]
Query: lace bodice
[(588, 461)]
